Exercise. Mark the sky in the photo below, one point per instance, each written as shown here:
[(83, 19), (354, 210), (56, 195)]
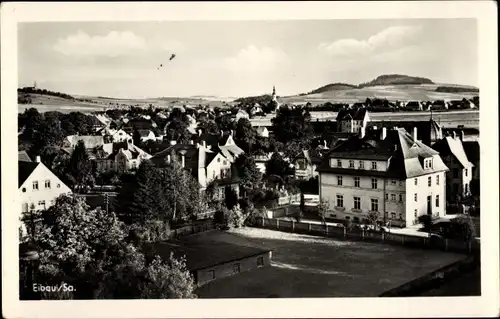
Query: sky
[(240, 58)]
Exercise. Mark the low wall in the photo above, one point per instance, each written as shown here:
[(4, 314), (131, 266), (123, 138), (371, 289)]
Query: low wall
[(433, 279), (387, 238), (209, 274)]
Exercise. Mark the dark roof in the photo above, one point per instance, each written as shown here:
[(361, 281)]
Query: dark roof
[(398, 148), (25, 170), (357, 114), (23, 156), (472, 150), (200, 255)]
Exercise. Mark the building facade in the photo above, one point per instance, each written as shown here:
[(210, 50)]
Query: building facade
[(38, 186), (352, 120), (387, 174)]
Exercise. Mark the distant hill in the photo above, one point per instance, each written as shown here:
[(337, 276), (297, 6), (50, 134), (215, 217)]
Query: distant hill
[(31, 90), (396, 79), (250, 100), (333, 87)]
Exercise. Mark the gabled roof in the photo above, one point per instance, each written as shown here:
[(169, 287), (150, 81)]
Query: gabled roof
[(23, 156), (25, 170), (403, 154), (90, 141), (130, 150), (357, 114), (472, 150), (453, 146)]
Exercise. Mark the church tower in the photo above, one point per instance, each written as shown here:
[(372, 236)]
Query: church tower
[(274, 94)]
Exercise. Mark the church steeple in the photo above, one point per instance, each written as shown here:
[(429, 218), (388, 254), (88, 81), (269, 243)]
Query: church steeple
[(274, 90)]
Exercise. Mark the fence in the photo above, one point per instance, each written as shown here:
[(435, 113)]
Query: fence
[(285, 200), (360, 234), (192, 229)]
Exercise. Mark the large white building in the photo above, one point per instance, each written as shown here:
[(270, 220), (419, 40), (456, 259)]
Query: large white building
[(460, 175), (352, 120), (386, 172), (38, 186)]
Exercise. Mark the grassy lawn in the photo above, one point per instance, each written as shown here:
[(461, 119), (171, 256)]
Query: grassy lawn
[(308, 266)]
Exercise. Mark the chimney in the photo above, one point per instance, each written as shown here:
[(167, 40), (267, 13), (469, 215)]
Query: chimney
[(199, 132), (173, 142), (183, 158), (384, 133), (454, 134), (362, 132), (462, 135), (38, 159), (415, 134), (204, 143)]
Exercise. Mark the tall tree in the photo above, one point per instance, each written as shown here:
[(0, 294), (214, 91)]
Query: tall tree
[(79, 169), (278, 166), (230, 197), (292, 125), (136, 137), (246, 135), (247, 171)]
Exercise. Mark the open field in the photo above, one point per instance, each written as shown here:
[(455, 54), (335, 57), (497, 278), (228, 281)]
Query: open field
[(468, 118), (308, 266), (423, 92)]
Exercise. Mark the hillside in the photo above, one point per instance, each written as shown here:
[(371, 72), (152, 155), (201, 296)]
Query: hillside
[(250, 100), (396, 79), (332, 87)]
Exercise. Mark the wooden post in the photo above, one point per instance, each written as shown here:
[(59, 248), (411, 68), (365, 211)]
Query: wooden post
[(363, 233), (293, 226), (309, 225), (277, 224)]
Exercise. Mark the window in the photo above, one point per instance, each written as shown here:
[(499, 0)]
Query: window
[(356, 181), (357, 203), (35, 185), (466, 170), (47, 184), (437, 200), (393, 215), (437, 179), (374, 183), (58, 185), (236, 268), (400, 197), (393, 182), (260, 261), (211, 274), (400, 183), (41, 203), (415, 197), (386, 196), (429, 181), (339, 180), (374, 204), (361, 164), (400, 216), (393, 197), (416, 181), (340, 201), (339, 163), (24, 190), (374, 165), (455, 173), (416, 213), (351, 164)]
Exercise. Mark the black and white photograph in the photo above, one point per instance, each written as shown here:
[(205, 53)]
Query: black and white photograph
[(243, 159)]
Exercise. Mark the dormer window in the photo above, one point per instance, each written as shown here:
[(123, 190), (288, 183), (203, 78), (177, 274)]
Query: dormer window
[(428, 163), (374, 165)]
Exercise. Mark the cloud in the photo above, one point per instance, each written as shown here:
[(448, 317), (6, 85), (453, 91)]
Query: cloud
[(111, 45), (385, 40), (255, 60)]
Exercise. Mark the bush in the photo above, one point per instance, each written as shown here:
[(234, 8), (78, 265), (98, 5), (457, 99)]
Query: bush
[(426, 220), (152, 231)]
